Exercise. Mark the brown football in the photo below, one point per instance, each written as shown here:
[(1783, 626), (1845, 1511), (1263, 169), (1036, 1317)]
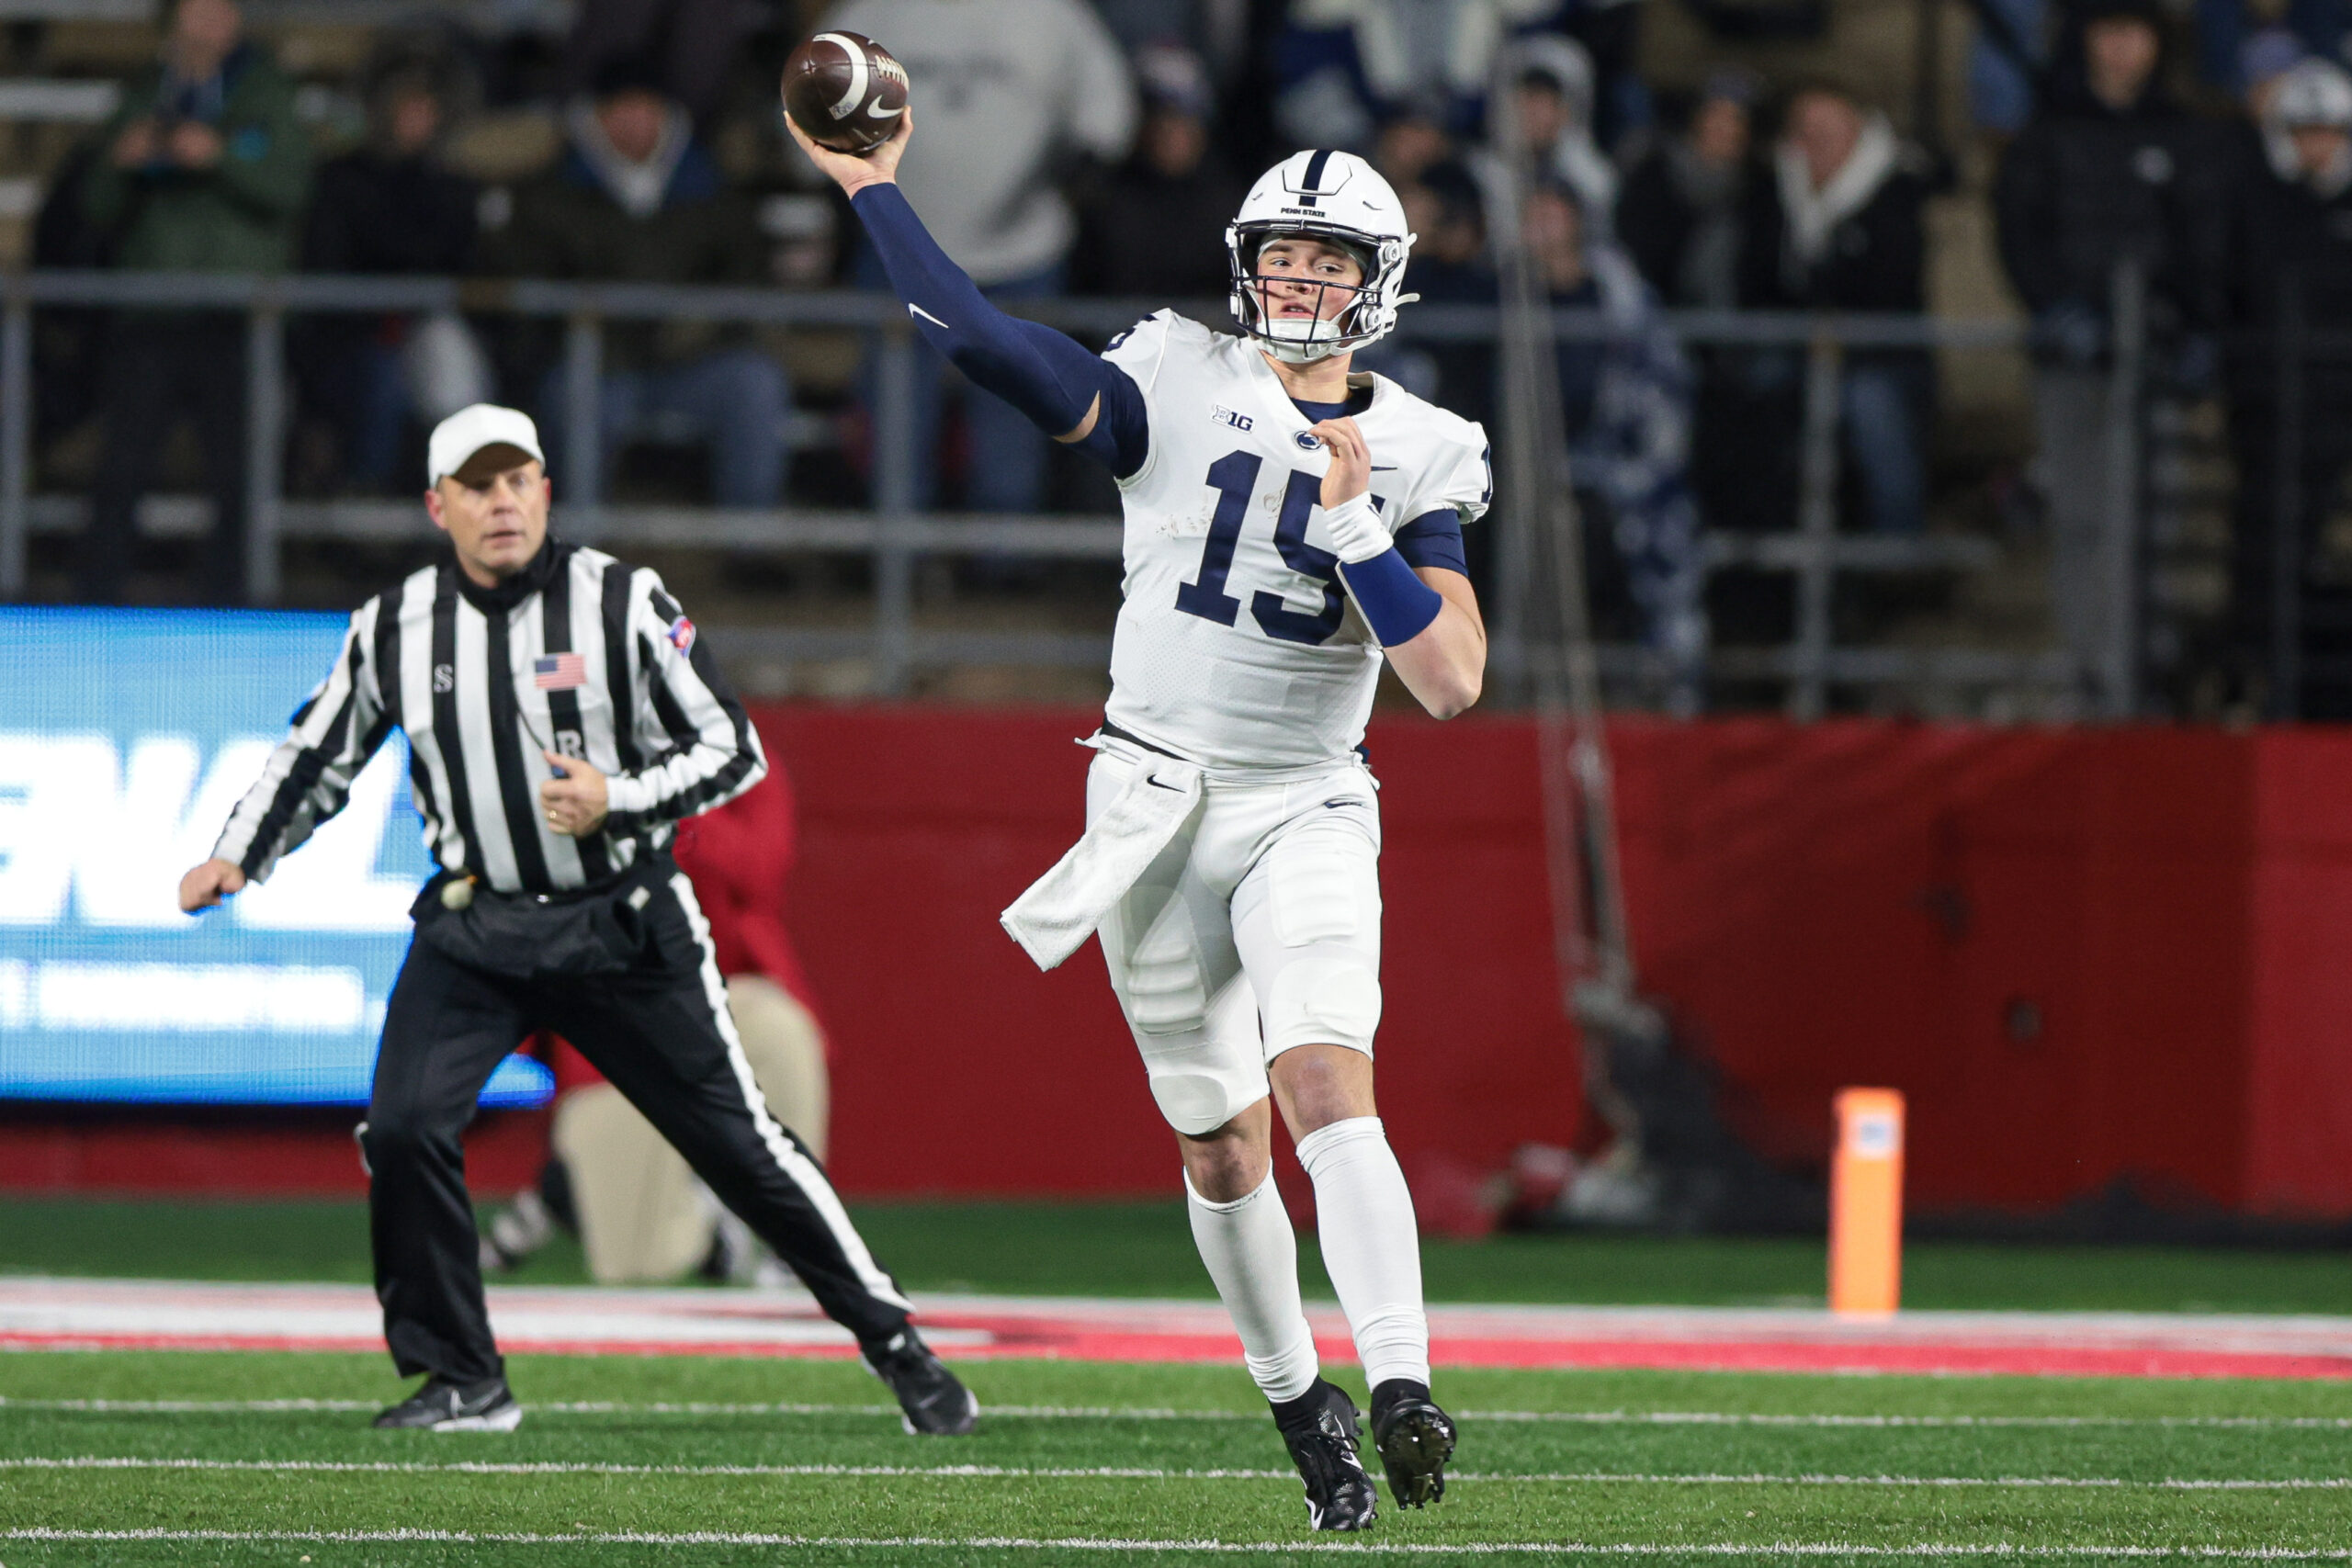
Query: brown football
[(846, 91)]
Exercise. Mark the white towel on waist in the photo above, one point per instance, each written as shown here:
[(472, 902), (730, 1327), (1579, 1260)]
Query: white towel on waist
[(1062, 908)]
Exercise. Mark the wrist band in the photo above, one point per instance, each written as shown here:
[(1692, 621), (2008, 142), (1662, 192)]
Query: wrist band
[(1356, 528), (1396, 605)]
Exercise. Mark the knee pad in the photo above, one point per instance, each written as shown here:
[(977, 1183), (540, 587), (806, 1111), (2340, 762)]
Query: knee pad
[(1323, 1000), (1202, 1083), (1197, 1102)]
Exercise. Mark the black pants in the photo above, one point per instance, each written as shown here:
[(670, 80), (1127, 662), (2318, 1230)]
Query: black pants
[(661, 1034), (158, 367)]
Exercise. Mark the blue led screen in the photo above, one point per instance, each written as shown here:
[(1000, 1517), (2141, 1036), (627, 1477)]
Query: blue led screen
[(126, 737)]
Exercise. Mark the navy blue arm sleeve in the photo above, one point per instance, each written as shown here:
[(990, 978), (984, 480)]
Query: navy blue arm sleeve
[(1045, 374), (1434, 538)]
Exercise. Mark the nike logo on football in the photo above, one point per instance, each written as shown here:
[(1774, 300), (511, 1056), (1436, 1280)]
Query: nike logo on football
[(876, 110), (926, 315)]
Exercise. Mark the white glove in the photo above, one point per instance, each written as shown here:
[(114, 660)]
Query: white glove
[(1357, 532)]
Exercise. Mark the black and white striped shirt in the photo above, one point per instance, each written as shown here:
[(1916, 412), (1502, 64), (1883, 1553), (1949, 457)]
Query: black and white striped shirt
[(579, 654)]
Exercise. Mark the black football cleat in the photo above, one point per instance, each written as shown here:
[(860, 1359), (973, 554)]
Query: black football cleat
[(934, 1403), (444, 1405), (1320, 1428), (1415, 1440)]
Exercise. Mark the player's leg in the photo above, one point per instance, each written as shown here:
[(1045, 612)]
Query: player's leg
[(1307, 920), (663, 1037), (1169, 946), (445, 1027)]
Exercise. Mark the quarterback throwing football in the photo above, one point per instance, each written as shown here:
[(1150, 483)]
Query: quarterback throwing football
[(1289, 525)]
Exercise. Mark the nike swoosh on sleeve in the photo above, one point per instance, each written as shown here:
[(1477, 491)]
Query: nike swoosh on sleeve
[(926, 315)]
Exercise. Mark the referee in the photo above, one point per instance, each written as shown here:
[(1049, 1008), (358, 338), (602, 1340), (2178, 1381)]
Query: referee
[(562, 717)]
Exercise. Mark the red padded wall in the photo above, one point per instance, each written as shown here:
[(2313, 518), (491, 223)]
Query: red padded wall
[(2083, 954)]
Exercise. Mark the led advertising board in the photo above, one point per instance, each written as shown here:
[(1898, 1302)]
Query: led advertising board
[(126, 737)]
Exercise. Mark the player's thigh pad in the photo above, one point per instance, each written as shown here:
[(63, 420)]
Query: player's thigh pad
[(1307, 920), (1190, 1009)]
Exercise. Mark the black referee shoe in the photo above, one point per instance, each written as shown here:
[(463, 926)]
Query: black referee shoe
[(935, 1404), (442, 1406), (1415, 1440), (1319, 1427)]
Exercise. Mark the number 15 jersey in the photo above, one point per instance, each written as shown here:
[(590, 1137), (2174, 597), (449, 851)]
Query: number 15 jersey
[(1238, 645)]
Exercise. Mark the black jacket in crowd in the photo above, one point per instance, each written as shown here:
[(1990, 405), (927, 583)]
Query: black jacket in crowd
[(377, 214), (2085, 186), (1663, 228), (1145, 233), (1876, 258)]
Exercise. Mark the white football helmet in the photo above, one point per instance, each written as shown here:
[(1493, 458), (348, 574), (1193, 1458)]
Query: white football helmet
[(1339, 199)]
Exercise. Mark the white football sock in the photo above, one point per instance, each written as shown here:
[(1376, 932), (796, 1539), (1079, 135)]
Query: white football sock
[(1370, 1248), (1253, 1256)]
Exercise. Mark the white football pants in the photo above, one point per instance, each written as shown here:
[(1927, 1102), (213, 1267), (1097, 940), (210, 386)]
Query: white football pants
[(1256, 929)]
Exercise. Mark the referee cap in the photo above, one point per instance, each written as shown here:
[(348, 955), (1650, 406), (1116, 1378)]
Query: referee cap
[(458, 438)]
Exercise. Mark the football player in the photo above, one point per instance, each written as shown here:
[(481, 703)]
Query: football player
[(1289, 523)]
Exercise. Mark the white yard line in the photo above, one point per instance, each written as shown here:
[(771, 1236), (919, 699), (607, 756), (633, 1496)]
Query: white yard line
[(1095, 1543), (1135, 1473), (1122, 1413)]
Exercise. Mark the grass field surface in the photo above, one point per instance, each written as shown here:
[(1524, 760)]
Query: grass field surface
[(161, 1458), (1145, 1250)]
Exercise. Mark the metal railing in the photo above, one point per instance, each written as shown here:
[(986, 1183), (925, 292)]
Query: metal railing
[(894, 536)]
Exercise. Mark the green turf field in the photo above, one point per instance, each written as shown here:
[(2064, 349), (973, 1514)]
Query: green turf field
[(1087, 1464), (1145, 1249)]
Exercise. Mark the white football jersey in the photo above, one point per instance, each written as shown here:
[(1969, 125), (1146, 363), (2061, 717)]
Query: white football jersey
[(1237, 645)]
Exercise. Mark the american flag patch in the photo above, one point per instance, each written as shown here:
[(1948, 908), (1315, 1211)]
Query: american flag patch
[(559, 672)]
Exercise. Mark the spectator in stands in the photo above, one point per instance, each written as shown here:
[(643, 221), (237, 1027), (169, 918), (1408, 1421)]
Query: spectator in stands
[(2111, 170), (1157, 227), (1837, 226), (1343, 67), (1552, 82), (2229, 33), (1625, 402), (391, 206), (1411, 141), (1679, 214), (1679, 218), (1609, 33), (637, 199), (1452, 260), (688, 47), (1453, 265), (2295, 275), (206, 169), (1008, 93), (2267, 56)]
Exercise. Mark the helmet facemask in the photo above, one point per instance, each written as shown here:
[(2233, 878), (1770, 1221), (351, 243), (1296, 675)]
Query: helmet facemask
[(1366, 315)]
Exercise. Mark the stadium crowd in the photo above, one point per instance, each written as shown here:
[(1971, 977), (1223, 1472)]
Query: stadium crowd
[(1069, 147)]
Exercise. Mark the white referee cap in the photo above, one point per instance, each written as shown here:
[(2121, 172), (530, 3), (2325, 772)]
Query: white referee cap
[(470, 430)]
